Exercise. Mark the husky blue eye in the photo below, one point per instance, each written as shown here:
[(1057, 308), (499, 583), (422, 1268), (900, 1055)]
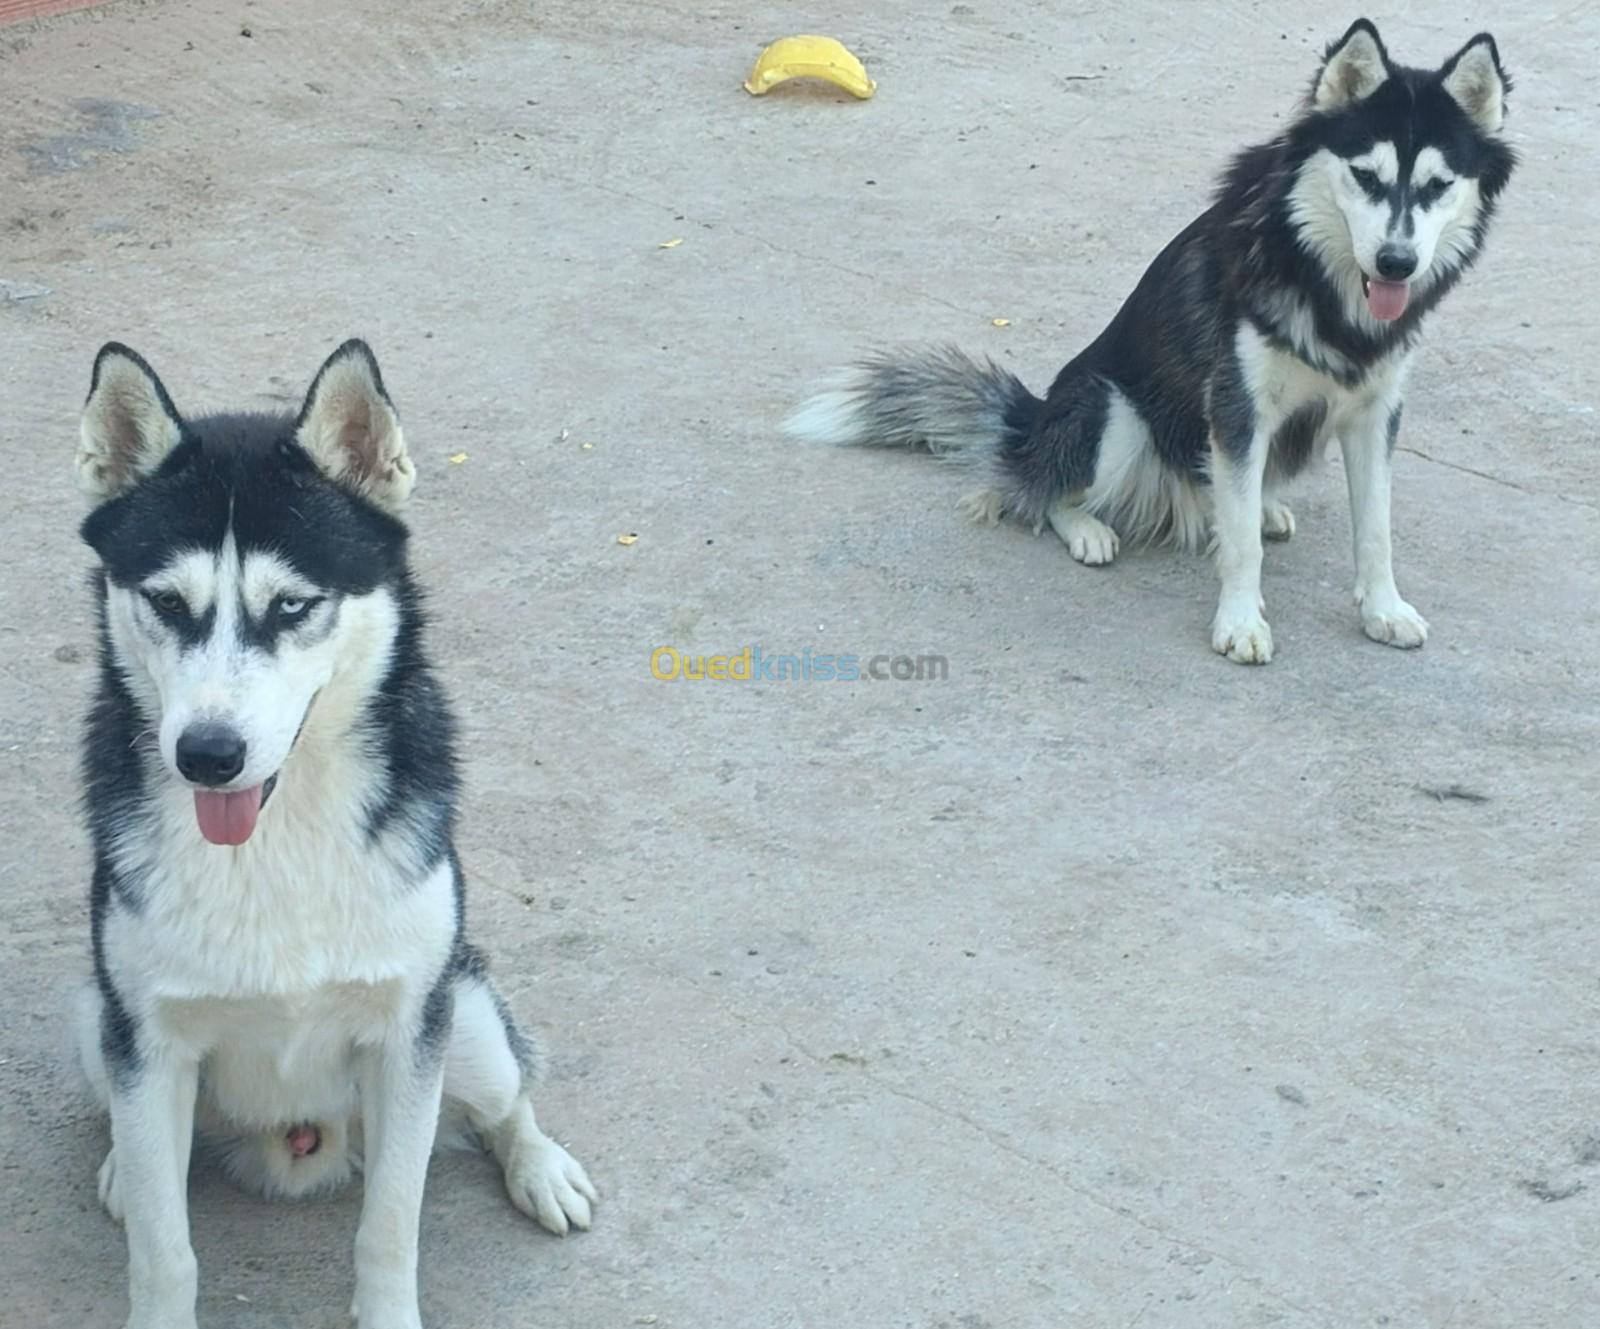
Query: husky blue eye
[(291, 609)]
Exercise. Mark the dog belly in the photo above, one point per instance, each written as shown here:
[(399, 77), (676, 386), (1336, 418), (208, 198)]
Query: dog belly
[(271, 1062), (261, 1091)]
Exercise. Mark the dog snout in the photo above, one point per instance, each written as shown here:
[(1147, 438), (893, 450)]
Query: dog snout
[(1396, 262), (210, 754)]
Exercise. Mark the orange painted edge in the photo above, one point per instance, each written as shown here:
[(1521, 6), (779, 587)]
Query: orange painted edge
[(14, 11)]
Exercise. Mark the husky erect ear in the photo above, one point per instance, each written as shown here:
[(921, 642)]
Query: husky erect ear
[(1354, 67), (350, 428), (129, 425), (1473, 76)]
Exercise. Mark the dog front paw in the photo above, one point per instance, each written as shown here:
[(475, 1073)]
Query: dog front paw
[(1242, 636), (165, 1301), (1386, 618), (371, 1313)]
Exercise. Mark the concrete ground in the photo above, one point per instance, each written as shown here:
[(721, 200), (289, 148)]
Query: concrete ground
[(1103, 983)]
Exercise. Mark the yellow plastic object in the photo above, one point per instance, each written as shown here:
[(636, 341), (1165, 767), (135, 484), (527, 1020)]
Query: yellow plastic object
[(809, 57)]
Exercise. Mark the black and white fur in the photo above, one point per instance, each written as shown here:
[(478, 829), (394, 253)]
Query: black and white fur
[(1282, 317), (306, 998)]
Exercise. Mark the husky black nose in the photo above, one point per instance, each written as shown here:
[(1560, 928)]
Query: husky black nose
[(1396, 262), (210, 754)]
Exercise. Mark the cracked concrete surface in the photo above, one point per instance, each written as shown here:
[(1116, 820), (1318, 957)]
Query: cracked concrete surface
[(1101, 984)]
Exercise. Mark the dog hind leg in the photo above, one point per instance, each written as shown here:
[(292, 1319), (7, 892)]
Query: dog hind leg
[(488, 1071), (1087, 538), (1277, 518)]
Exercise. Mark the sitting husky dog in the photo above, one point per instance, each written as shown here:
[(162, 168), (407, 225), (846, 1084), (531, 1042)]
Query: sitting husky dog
[(278, 929), (1284, 315)]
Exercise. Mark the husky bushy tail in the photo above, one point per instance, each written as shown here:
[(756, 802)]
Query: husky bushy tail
[(1076, 461), (936, 397)]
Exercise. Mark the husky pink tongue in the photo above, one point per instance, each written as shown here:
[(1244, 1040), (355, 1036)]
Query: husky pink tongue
[(1387, 299), (227, 818)]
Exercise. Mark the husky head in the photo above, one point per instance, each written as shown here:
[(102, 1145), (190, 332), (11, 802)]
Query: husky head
[(1398, 169), (248, 563)]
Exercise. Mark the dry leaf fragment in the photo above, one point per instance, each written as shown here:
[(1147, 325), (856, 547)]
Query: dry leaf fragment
[(456, 458), (628, 539), (1001, 322), (670, 244)]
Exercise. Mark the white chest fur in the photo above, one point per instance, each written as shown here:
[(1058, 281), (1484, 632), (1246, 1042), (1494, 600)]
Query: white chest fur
[(311, 924), (1281, 383)]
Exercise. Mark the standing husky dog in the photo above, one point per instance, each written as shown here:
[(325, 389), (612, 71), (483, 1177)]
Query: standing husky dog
[(277, 915), (1284, 315)]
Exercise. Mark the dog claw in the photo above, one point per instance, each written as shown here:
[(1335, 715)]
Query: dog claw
[(1244, 641)]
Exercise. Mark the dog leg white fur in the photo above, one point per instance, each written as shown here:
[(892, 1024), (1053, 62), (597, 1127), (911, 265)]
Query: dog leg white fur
[(1239, 630), (543, 1180), (400, 1095), (1385, 616), (1087, 538), (147, 1177)]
